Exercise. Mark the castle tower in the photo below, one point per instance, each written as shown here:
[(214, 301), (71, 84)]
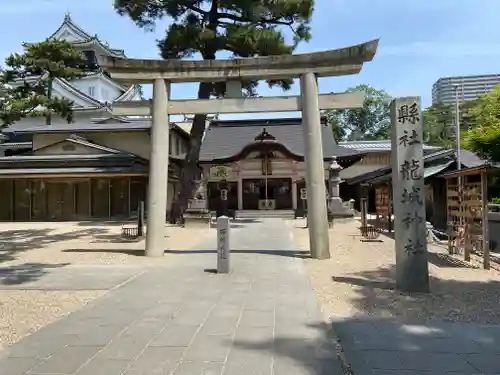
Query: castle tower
[(94, 94)]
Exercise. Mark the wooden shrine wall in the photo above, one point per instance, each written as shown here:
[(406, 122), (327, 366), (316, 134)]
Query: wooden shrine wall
[(467, 216)]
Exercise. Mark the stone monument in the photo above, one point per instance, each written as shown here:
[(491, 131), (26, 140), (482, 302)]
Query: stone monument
[(223, 250), (412, 270)]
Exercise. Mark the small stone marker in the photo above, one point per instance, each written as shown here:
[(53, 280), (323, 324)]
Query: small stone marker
[(412, 270), (223, 244)]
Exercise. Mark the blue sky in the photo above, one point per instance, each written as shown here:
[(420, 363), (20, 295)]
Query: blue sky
[(420, 40)]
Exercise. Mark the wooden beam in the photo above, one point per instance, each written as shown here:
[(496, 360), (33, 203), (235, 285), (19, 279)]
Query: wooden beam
[(239, 105), (485, 223)]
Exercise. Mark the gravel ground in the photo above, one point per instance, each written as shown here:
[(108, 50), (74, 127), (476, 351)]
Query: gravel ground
[(358, 281), (24, 312), (73, 243)]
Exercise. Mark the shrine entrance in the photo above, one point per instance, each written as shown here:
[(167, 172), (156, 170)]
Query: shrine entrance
[(267, 194), (214, 195)]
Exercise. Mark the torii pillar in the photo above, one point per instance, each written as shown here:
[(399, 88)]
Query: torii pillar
[(158, 170), (307, 67), (319, 242)]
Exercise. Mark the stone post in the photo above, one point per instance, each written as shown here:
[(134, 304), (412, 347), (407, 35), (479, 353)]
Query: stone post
[(158, 171), (240, 193), (315, 181), (140, 219), (223, 250), (412, 270)]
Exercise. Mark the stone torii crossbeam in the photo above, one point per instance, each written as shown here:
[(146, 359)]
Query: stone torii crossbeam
[(308, 67)]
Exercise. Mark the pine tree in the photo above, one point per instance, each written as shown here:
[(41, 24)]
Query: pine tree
[(244, 28), (26, 82)]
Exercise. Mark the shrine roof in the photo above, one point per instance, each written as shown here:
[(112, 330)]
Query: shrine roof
[(376, 145), (226, 139), (107, 124)]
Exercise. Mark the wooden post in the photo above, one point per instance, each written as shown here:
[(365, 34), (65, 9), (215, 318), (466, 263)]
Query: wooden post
[(486, 237), (30, 189), (128, 197), (109, 198), (75, 197), (449, 229), (90, 198)]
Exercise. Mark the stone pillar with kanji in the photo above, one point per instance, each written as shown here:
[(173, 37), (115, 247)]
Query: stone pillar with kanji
[(412, 270)]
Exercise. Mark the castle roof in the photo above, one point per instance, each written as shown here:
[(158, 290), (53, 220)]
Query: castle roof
[(70, 31)]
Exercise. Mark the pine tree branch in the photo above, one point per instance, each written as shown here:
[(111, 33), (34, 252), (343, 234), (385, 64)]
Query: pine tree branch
[(262, 21)]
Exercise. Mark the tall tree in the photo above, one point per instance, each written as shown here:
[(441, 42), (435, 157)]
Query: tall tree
[(439, 125), (244, 28), (370, 122), (28, 77), (467, 117), (484, 137)]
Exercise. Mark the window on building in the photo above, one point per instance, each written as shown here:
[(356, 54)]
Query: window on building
[(91, 90), (104, 94)]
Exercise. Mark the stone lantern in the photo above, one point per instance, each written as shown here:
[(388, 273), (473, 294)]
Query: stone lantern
[(335, 205)]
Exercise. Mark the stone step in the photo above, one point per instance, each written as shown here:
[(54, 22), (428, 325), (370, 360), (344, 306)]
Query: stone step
[(250, 214)]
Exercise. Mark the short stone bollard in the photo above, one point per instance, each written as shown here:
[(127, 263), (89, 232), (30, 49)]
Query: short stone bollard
[(223, 251)]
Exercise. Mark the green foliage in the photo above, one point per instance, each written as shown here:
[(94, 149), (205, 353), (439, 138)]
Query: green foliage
[(484, 137), (245, 28), (370, 122), (439, 125), (495, 200), (26, 82), (467, 117)]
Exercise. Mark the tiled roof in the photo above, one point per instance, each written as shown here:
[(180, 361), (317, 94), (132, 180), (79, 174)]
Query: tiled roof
[(224, 139), (358, 170), (440, 154), (470, 159), (75, 170), (109, 124), (379, 145), (83, 126)]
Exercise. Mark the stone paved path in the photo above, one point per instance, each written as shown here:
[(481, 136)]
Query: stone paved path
[(389, 347), (185, 320)]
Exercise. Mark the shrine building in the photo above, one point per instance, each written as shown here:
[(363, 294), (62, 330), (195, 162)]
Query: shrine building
[(94, 168), (261, 162)]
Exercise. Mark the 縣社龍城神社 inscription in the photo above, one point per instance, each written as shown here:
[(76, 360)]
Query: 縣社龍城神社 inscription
[(409, 196)]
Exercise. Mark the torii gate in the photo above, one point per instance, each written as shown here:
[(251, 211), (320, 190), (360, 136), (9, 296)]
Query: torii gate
[(307, 67)]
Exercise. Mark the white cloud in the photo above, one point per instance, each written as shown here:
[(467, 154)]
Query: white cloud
[(12, 7)]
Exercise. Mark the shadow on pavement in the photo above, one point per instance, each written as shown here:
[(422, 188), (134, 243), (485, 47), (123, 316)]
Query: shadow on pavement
[(314, 355), (455, 328), (285, 253), (13, 242), (389, 346), (25, 273)]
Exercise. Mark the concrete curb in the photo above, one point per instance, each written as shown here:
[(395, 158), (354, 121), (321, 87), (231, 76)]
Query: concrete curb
[(346, 367)]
